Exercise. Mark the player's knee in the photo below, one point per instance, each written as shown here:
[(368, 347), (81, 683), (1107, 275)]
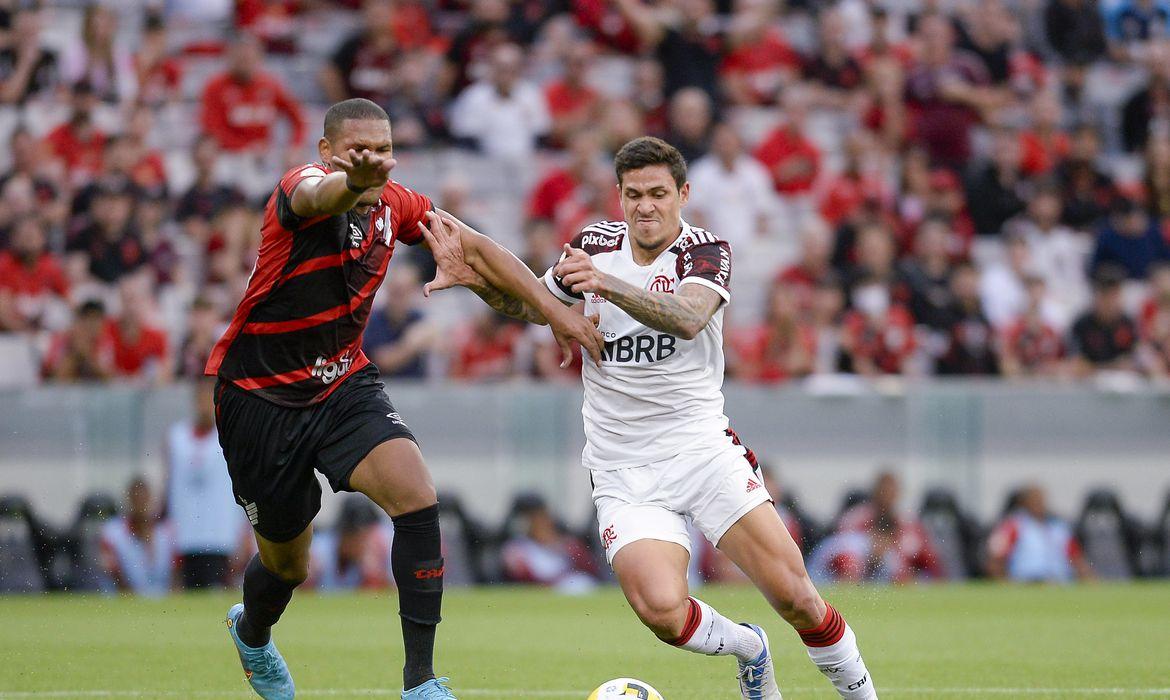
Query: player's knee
[(803, 608), (662, 612)]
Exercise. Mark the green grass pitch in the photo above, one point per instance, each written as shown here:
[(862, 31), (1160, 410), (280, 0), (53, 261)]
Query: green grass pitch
[(920, 642)]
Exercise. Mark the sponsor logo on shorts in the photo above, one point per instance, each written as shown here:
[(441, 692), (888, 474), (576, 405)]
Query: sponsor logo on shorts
[(752, 485), (328, 372), (608, 536), (251, 510)]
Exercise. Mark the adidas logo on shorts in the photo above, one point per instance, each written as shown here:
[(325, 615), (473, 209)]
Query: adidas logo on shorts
[(752, 485)]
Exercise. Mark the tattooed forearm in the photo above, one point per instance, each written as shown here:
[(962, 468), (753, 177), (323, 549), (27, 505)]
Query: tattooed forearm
[(683, 314), (507, 304)]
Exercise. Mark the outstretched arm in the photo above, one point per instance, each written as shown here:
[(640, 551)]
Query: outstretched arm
[(338, 192), (684, 314), (505, 275)]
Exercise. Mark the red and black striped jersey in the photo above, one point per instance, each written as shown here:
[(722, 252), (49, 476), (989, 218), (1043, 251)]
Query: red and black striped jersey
[(297, 334)]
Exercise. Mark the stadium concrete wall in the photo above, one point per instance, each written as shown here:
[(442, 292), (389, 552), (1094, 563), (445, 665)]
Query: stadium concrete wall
[(487, 442)]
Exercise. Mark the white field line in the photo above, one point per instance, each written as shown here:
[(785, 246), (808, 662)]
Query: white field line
[(528, 693)]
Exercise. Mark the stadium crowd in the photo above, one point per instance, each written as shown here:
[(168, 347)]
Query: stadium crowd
[(911, 187)]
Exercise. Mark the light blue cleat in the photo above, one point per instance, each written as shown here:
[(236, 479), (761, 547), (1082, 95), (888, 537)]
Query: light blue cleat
[(264, 668), (757, 678), (434, 689)]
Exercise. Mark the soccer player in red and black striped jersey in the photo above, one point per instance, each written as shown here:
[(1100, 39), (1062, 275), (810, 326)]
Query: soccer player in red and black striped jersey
[(296, 393)]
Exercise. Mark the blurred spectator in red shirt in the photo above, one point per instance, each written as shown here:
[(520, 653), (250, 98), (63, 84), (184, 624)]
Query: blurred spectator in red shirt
[(877, 336), (759, 62), (970, 348), (1033, 545), (875, 542), (160, 73), (792, 159), (366, 63), (139, 349), (779, 349), (31, 279), (241, 105), (45, 176), (813, 264), (148, 169), (1030, 346), (540, 553), (559, 183), (689, 123), (946, 94), (595, 199), (98, 58), (204, 326), (1045, 144), (859, 184), (26, 68), (78, 142), (572, 103), (83, 351), (1104, 337), (874, 257), (110, 245), (487, 349)]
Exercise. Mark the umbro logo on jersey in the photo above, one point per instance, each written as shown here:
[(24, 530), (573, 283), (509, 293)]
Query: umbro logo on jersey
[(355, 236), (396, 419), (752, 485)]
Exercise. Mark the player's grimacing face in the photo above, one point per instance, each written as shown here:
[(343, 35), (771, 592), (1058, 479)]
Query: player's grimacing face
[(368, 134), (652, 205)]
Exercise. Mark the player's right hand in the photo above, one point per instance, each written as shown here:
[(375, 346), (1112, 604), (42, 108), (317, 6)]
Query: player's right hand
[(364, 170), (572, 325)]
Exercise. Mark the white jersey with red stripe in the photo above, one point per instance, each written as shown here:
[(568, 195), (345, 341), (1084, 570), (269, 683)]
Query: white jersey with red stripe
[(656, 395)]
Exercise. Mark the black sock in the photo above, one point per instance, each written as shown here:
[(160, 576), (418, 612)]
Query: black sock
[(265, 597), (416, 559)]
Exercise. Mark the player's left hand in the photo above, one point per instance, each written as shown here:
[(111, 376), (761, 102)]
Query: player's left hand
[(443, 237), (575, 270)]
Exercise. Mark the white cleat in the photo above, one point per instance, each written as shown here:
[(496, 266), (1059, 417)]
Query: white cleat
[(757, 678)]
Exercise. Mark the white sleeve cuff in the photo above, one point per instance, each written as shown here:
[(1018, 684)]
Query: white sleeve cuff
[(551, 283), (709, 284)]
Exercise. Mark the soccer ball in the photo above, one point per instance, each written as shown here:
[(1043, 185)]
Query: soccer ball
[(625, 689)]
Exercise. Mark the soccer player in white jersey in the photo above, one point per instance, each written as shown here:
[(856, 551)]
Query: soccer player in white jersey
[(658, 446)]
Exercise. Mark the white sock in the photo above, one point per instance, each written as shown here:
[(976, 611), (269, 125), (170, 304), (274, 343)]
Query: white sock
[(839, 660), (708, 632)]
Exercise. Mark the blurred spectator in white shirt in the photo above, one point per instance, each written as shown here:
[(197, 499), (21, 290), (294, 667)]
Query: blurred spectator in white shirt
[(504, 115), (98, 58), (355, 553), (731, 193), (546, 556), (137, 548), (1031, 544), (204, 517)]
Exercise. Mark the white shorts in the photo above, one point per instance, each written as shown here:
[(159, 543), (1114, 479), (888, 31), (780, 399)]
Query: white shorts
[(714, 488)]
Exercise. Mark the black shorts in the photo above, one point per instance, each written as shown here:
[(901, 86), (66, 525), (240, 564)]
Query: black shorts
[(271, 450)]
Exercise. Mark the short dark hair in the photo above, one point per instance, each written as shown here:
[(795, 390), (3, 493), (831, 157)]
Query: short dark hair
[(356, 108), (645, 151)]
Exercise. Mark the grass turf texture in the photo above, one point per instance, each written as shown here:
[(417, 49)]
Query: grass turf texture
[(924, 641)]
